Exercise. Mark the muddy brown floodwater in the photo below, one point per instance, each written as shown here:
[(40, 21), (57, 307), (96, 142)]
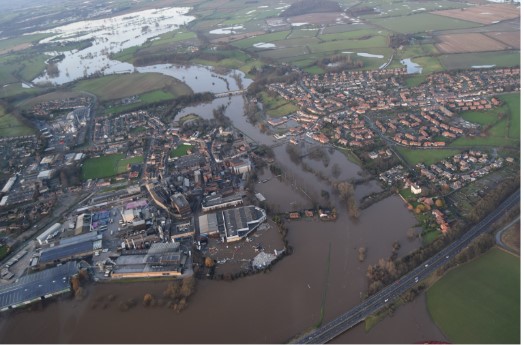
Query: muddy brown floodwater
[(265, 308)]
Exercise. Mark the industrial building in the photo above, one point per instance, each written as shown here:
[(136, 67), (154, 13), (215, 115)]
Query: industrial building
[(161, 260), (215, 202), (72, 248), (233, 224), (51, 232), (37, 286)]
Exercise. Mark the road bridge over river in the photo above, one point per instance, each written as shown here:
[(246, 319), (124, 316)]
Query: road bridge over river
[(376, 302), (229, 93)]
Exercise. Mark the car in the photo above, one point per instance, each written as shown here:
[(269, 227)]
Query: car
[(447, 256), (426, 265), (387, 299), (416, 279)]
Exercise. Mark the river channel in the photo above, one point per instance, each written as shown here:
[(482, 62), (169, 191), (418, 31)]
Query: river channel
[(322, 273)]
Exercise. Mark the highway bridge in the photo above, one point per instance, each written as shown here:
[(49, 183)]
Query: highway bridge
[(376, 302), (229, 93)]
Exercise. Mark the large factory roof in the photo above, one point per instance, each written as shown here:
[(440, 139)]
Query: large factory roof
[(34, 286)]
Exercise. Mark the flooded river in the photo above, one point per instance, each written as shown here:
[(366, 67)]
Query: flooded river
[(264, 308)]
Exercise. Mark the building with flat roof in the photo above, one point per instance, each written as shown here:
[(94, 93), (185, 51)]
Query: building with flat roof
[(215, 202), (72, 248), (233, 224), (181, 206), (37, 286), (161, 260)]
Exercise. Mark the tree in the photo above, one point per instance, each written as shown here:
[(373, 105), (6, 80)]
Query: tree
[(362, 253), (173, 290), (148, 299), (209, 262), (188, 286), (439, 203), (412, 233)]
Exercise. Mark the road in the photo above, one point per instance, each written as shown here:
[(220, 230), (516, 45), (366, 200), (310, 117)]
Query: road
[(376, 302), (498, 237)]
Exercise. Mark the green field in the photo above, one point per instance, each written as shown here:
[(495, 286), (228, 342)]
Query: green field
[(10, 126), (21, 66), (126, 85), (422, 23), (429, 156), (488, 117), (500, 59), (122, 164), (479, 302), (179, 151), (248, 42), (513, 102), (107, 166), (504, 133), (277, 106)]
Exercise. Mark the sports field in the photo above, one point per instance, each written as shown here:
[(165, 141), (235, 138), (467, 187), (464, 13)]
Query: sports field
[(107, 166), (479, 302)]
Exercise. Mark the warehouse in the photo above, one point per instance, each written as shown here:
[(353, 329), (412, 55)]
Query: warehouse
[(37, 286), (161, 260)]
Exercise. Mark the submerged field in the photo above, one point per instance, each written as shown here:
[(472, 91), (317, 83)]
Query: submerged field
[(479, 302)]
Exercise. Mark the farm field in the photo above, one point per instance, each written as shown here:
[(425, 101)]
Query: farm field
[(430, 156), (479, 301), (126, 85), (499, 59), (421, 23), (468, 43), (510, 38), (477, 14), (10, 126)]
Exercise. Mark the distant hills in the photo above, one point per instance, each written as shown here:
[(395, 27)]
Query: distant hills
[(311, 6)]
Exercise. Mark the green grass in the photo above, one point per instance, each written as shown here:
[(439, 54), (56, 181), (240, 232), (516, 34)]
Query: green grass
[(21, 66), (375, 41), (122, 164), (415, 80), (429, 156), (10, 126), (277, 106), (503, 133), (101, 167), (430, 236), (248, 42), (4, 250), (350, 35), (107, 166), (13, 42), (126, 85), (179, 151), (145, 99), (479, 302), (513, 103), (500, 59), (429, 64), (421, 23), (417, 50), (488, 117)]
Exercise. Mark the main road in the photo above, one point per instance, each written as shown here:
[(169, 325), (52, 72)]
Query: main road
[(376, 302)]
